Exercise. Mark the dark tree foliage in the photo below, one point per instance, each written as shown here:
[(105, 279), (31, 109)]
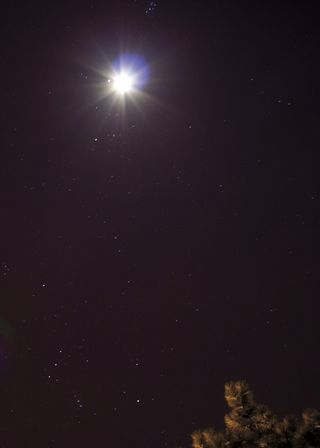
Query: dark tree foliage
[(250, 425)]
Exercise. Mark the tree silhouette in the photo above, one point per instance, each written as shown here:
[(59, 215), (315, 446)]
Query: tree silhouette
[(251, 425)]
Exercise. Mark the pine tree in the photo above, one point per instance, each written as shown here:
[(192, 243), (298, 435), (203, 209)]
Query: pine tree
[(252, 425)]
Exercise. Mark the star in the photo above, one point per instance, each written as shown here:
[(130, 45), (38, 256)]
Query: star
[(130, 73), (123, 83)]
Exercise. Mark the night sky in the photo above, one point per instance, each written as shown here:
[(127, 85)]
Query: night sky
[(157, 244)]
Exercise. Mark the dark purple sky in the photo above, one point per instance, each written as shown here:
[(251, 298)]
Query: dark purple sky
[(148, 255)]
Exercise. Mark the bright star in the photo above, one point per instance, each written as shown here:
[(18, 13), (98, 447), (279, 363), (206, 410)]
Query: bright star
[(130, 73), (123, 83)]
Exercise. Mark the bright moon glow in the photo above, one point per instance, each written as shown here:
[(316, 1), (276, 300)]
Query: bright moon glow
[(123, 83)]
